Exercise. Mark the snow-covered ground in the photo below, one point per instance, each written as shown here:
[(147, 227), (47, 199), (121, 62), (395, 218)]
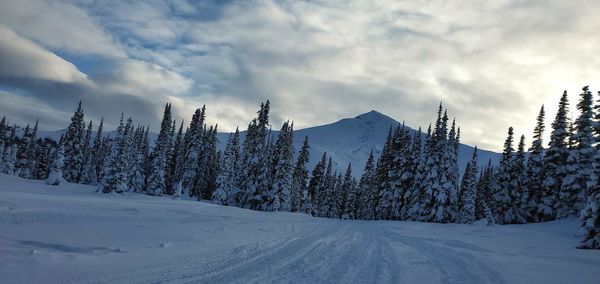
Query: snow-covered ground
[(72, 234)]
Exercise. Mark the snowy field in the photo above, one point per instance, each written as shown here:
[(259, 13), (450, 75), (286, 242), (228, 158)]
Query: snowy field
[(70, 234)]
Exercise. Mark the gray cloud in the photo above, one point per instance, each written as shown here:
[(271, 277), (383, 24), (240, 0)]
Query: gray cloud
[(492, 63)]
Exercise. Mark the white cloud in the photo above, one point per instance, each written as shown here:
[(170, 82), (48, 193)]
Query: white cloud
[(492, 63), (58, 25), (22, 58)]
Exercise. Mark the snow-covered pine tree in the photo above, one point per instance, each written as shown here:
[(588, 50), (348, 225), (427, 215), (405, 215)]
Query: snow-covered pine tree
[(382, 179), (22, 146), (299, 192), (42, 165), (55, 175), (9, 156), (136, 171), (535, 176), (254, 162), (278, 198), (579, 163), (484, 190), (519, 191), (420, 195), (590, 214), (366, 190), (171, 160), (97, 155), (117, 178), (444, 205), (469, 191), (400, 172), (329, 196), (349, 210), (209, 165), (31, 154), (74, 148), (87, 155), (317, 178), (555, 162), (158, 163), (177, 158), (227, 180), (3, 127), (502, 199), (193, 141)]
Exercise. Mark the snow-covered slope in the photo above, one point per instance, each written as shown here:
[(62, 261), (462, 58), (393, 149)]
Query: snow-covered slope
[(70, 234), (349, 140)]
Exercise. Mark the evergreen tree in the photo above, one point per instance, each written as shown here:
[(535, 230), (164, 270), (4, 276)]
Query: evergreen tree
[(484, 191), (9, 156), (206, 177), (469, 191), (74, 148), (55, 176), (278, 198), (31, 154), (137, 157), (254, 161), (299, 189), (349, 210), (317, 178), (579, 163), (534, 182), (194, 147), (502, 198), (555, 162), (158, 163), (42, 165), (519, 192), (590, 215), (366, 190), (382, 179), (227, 179), (117, 178), (22, 146)]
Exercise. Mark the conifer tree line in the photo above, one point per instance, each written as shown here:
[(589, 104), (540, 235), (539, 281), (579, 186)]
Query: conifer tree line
[(416, 177)]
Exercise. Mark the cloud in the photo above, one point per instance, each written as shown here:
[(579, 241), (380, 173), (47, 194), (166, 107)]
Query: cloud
[(22, 58), (492, 63)]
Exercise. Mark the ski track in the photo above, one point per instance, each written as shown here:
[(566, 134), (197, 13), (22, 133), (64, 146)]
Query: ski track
[(335, 253)]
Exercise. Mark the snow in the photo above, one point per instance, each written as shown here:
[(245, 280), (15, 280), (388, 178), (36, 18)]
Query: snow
[(70, 233)]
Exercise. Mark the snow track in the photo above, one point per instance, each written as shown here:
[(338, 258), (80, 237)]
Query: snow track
[(70, 234)]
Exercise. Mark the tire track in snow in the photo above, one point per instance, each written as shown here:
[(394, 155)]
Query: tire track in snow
[(454, 265)]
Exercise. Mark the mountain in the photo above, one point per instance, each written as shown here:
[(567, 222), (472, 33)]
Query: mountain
[(349, 140)]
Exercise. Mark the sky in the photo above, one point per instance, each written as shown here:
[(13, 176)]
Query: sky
[(491, 63)]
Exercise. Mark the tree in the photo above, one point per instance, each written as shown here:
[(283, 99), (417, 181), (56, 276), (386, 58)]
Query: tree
[(278, 198), (55, 177), (9, 155), (469, 191), (299, 190), (42, 165), (74, 148), (502, 198), (117, 178), (366, 190), (254, 161), (555, 161), (158, 163), (590, 215), (349, 210), (227, 180), (315, 184), (535, 176), (579, 163)]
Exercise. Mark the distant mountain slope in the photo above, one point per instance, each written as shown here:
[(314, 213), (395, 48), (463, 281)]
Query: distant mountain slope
[(349, 140)]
